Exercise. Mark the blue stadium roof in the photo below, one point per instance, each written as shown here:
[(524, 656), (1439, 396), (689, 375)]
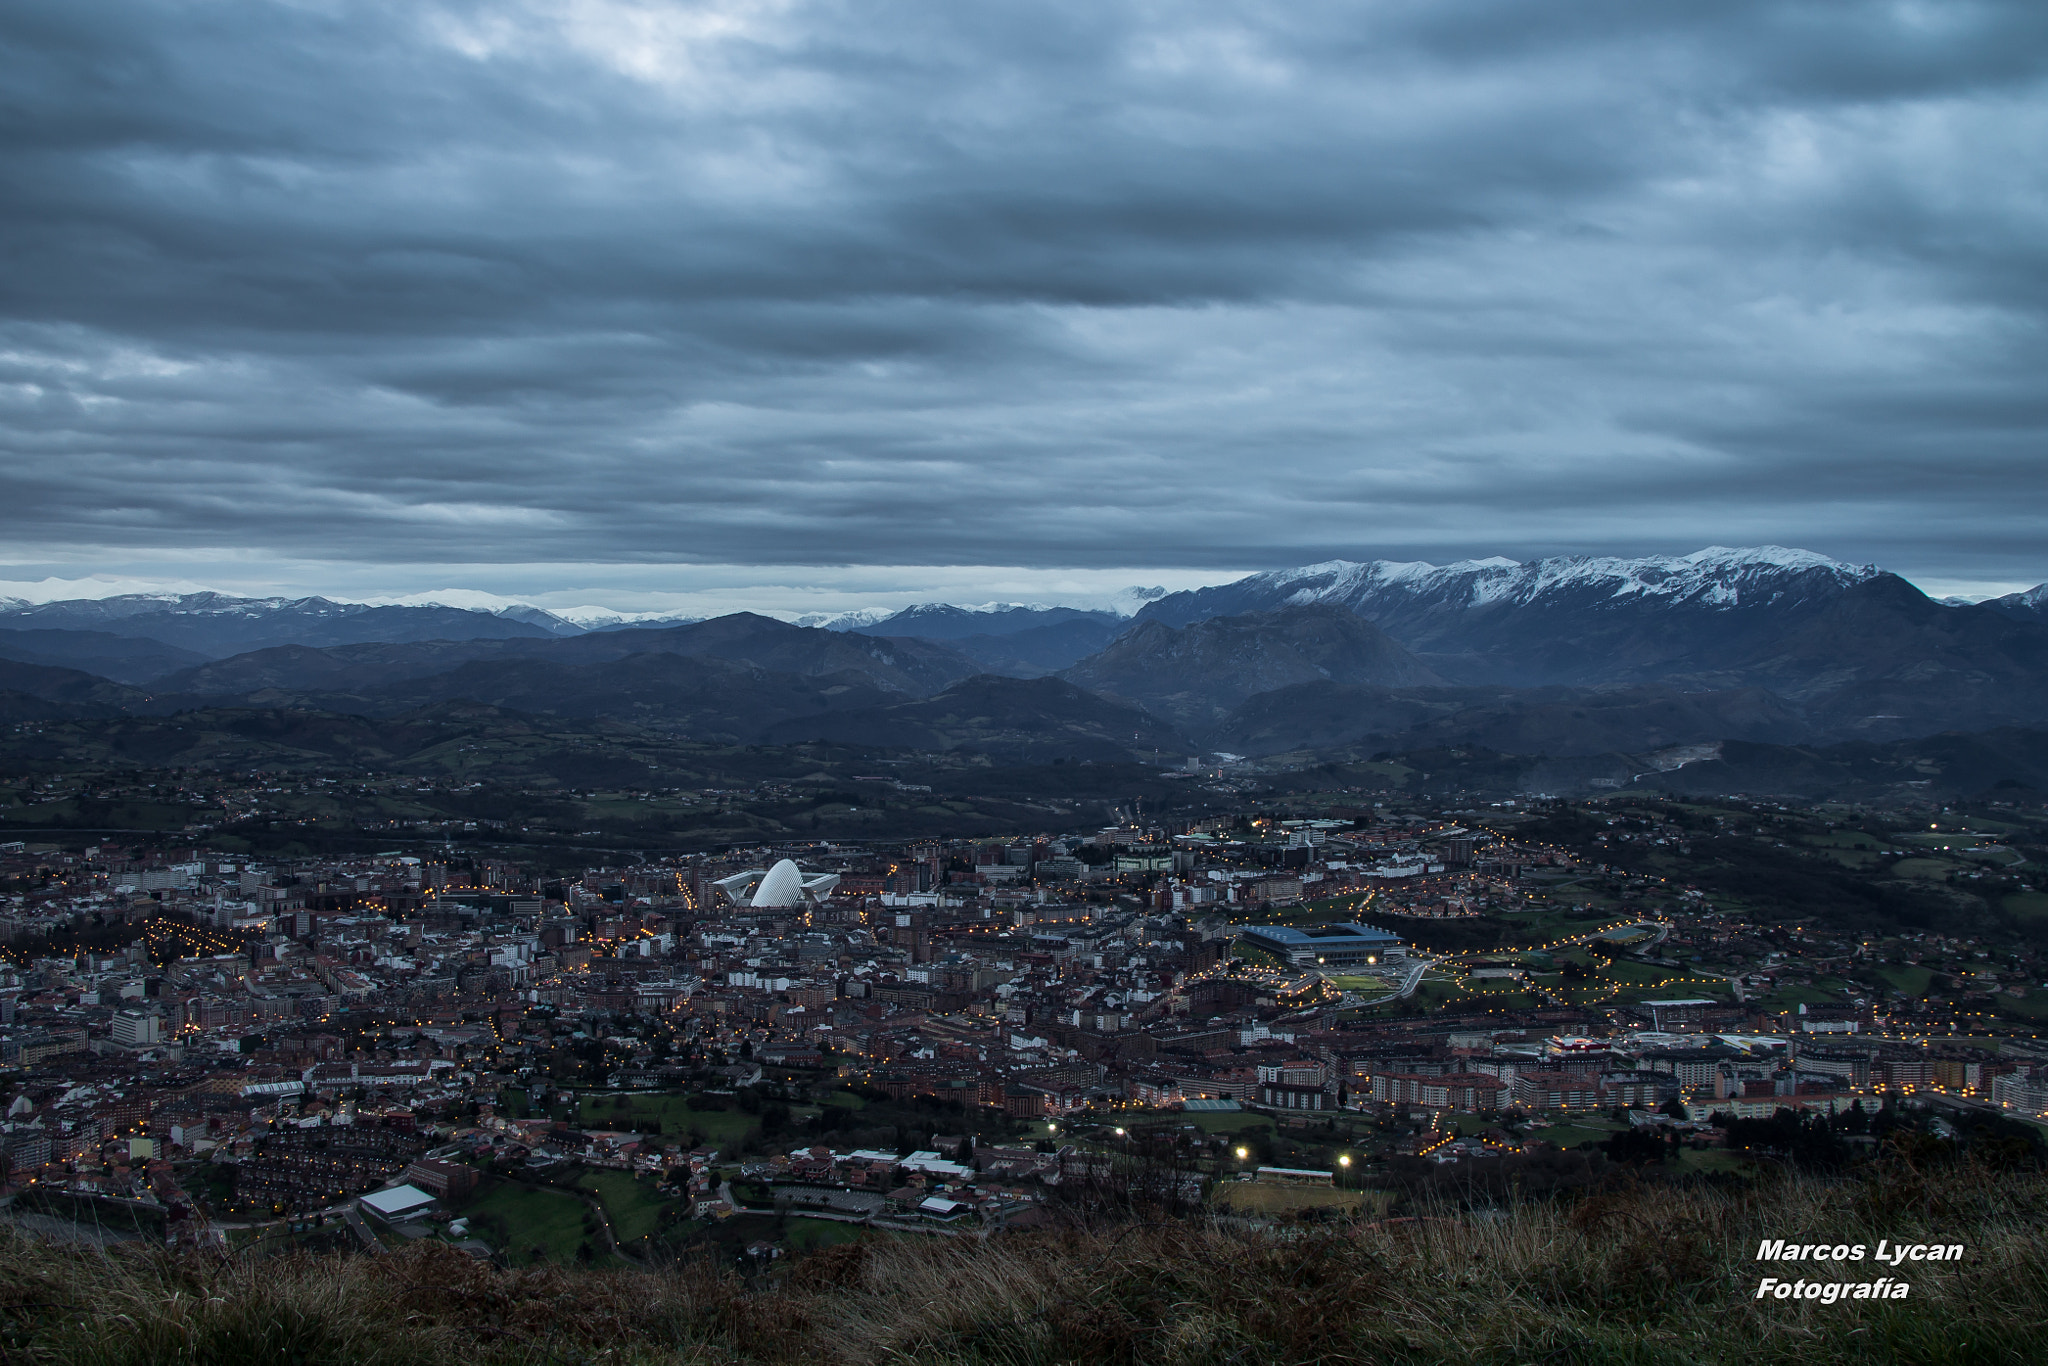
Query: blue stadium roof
[(1322, 935)]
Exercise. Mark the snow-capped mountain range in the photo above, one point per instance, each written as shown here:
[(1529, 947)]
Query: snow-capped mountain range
[(1549, 620), (1547, 656), (1707, 616), (1717, 577)]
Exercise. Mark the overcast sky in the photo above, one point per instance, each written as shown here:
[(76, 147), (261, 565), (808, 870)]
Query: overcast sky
[(583, 301)]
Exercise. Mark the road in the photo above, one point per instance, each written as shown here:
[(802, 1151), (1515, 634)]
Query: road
[(1662, 928), (604, 1225), (1420, 966), (1409, 982), (364, 1233)]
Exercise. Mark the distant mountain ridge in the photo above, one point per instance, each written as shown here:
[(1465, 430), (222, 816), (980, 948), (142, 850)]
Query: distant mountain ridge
[(942, 621), (1566, 657), (217, 624), (888, 665), (1455, 611)]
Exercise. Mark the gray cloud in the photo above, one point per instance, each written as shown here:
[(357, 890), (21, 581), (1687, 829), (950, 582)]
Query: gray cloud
[(1064, 285)]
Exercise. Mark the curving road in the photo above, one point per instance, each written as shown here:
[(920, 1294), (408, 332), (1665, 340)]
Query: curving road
[(1409, 982)]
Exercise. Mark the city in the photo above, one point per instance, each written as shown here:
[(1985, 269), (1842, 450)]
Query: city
[(717, 683), (1311, 1007)]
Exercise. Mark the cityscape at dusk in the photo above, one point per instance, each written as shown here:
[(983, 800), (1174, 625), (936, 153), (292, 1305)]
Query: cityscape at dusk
[(755, 681)]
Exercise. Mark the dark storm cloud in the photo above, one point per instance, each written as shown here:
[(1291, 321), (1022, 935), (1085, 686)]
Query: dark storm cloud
[(1073, 284)]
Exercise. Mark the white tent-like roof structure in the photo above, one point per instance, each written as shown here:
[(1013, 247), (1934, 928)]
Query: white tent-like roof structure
[(784, 885)]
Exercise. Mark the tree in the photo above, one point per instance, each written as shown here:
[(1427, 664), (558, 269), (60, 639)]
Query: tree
[(1802, 1139), (1636, 1147)]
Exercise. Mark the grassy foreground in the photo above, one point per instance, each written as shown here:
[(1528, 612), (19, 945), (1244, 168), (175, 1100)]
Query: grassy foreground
[(1634, 1274)]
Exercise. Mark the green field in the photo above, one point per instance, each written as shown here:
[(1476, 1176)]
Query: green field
[(1364, 986), (2027, 905), (1790, 997), (1267, 1197), (804, 1235), (633, 1204), (1579, 1129), (1228, 1123), (532, 1217), (1926, 869), (1913, 981), (2033, 1006), (722, 1128), (1622, 970), (2003, 858), (1257, 957)]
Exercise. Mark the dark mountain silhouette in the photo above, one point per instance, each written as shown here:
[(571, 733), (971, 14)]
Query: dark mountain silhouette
[(1016, 720), (1552, 721), (40, 690), (703, 698), (889, 665), (1195, 676), (124, 659), (1041, 649)]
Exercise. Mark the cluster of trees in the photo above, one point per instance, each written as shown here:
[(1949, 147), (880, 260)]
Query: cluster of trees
[(1822, 1143)]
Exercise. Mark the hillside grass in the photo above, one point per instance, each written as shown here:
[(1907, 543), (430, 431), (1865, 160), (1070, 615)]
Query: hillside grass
[(720, 1128), (1629, 1274), (2027, 905), (1269, 1198), (634, 1205), (540, 1224)]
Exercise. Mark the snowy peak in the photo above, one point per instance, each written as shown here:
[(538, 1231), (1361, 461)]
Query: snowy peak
[(1715, 577), (2029, 604), (843, 621), (605, 619), (1128, 602), (943, 621)]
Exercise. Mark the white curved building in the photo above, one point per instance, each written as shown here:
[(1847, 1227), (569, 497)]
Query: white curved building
[(783, 886)]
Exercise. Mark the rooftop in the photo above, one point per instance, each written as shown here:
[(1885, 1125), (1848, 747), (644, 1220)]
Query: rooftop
[(1323, 934)]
